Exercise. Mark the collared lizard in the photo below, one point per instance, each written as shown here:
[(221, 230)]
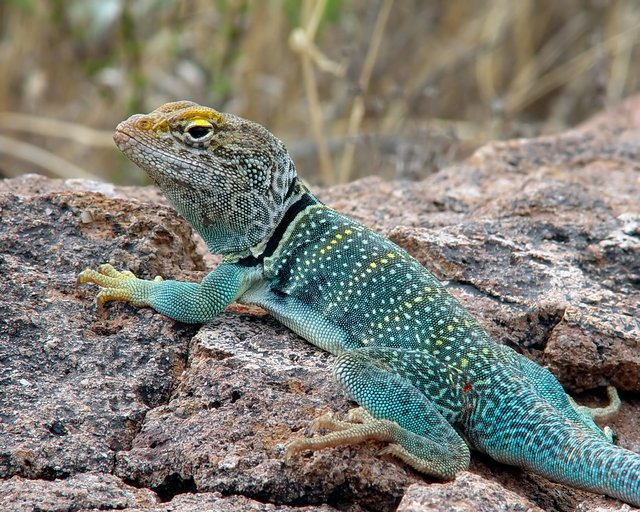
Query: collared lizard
[(428, 378)]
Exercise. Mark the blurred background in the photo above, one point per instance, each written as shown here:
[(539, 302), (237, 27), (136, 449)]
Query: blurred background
[(353, 87)]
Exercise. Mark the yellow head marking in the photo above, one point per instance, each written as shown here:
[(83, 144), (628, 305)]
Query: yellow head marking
[(145, 124), (202, 114), (199, 122)]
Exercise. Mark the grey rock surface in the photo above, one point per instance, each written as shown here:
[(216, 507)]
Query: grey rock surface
[(82, 491), (76, 387), (125, 409), (469, 493)]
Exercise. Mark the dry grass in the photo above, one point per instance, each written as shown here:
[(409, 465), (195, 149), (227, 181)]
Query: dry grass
[(354, 87)]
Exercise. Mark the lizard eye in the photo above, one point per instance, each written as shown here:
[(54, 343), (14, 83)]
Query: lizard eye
[(198, 132)]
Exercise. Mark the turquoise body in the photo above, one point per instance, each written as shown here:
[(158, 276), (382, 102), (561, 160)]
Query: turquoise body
[(407, 351)]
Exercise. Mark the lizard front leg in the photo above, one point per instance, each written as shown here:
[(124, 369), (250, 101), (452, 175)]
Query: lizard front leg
[(185, 302)]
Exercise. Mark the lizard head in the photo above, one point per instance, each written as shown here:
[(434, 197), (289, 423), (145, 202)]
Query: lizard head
[(229, 177)]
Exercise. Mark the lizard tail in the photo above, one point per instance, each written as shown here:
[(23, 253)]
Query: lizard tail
[(545, 442), (582, 460)]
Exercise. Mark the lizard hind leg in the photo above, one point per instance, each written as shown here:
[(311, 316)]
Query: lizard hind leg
[(550, 389), (601, 414), (393, 411)]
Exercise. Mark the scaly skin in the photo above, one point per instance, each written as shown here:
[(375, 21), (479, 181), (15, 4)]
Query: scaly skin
[(428, 378)]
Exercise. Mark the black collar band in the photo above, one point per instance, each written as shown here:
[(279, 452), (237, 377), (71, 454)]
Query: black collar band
[(292, 212)]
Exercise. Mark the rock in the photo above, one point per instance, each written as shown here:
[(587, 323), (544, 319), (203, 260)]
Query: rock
[(102, 491), (76, 386), (251, 386), (82, 491), (125, 409), (216, 502), (468, 493)]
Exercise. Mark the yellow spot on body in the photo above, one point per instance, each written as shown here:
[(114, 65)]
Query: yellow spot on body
[(373, 265), (439, 342), (328, 247), (322, 251), (307, 262), (339, 236), (347, 231), (386, 318), (450, 327), (384, 260), (464, 362), (333, 241), (408, 305), (485, 351), (391, 255), (396, 318), (419, 298)]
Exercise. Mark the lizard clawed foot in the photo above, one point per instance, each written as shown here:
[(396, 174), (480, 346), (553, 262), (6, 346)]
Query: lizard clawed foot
[(359, 427), (609, 412), (601, 414), (329, 422), (117, 285), (356, 416)]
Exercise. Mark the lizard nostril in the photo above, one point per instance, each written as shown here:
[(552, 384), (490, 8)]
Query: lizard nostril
[(143, 124)]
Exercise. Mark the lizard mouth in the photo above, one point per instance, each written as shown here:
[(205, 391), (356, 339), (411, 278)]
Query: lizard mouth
[(120, 137), (164, 168), (127, 143)]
